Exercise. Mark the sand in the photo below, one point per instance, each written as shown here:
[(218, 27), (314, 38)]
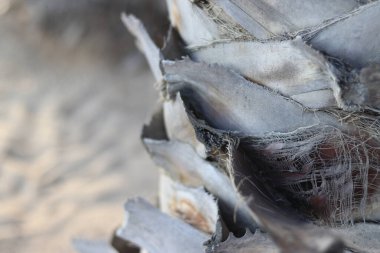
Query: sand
[(70, 153)]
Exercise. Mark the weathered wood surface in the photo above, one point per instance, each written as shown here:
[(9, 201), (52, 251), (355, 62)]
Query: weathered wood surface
[(156, 232), (228, 101), (265, 19), (354, 39), (289, 67)]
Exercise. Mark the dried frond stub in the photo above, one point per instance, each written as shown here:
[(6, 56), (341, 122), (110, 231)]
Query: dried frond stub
[(152, 230)]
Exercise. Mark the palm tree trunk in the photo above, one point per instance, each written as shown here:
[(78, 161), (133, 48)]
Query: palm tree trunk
[(268, 127)]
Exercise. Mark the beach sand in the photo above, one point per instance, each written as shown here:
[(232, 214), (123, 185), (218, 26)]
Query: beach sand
[(70, 153)]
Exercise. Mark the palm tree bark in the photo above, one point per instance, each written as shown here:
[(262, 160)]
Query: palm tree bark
[(269, 119)]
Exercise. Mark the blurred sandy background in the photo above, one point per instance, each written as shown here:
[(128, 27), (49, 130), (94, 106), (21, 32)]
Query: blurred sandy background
[(74, 94)]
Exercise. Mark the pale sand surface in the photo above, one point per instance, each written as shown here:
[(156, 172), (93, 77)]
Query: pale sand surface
[(70, 153)]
